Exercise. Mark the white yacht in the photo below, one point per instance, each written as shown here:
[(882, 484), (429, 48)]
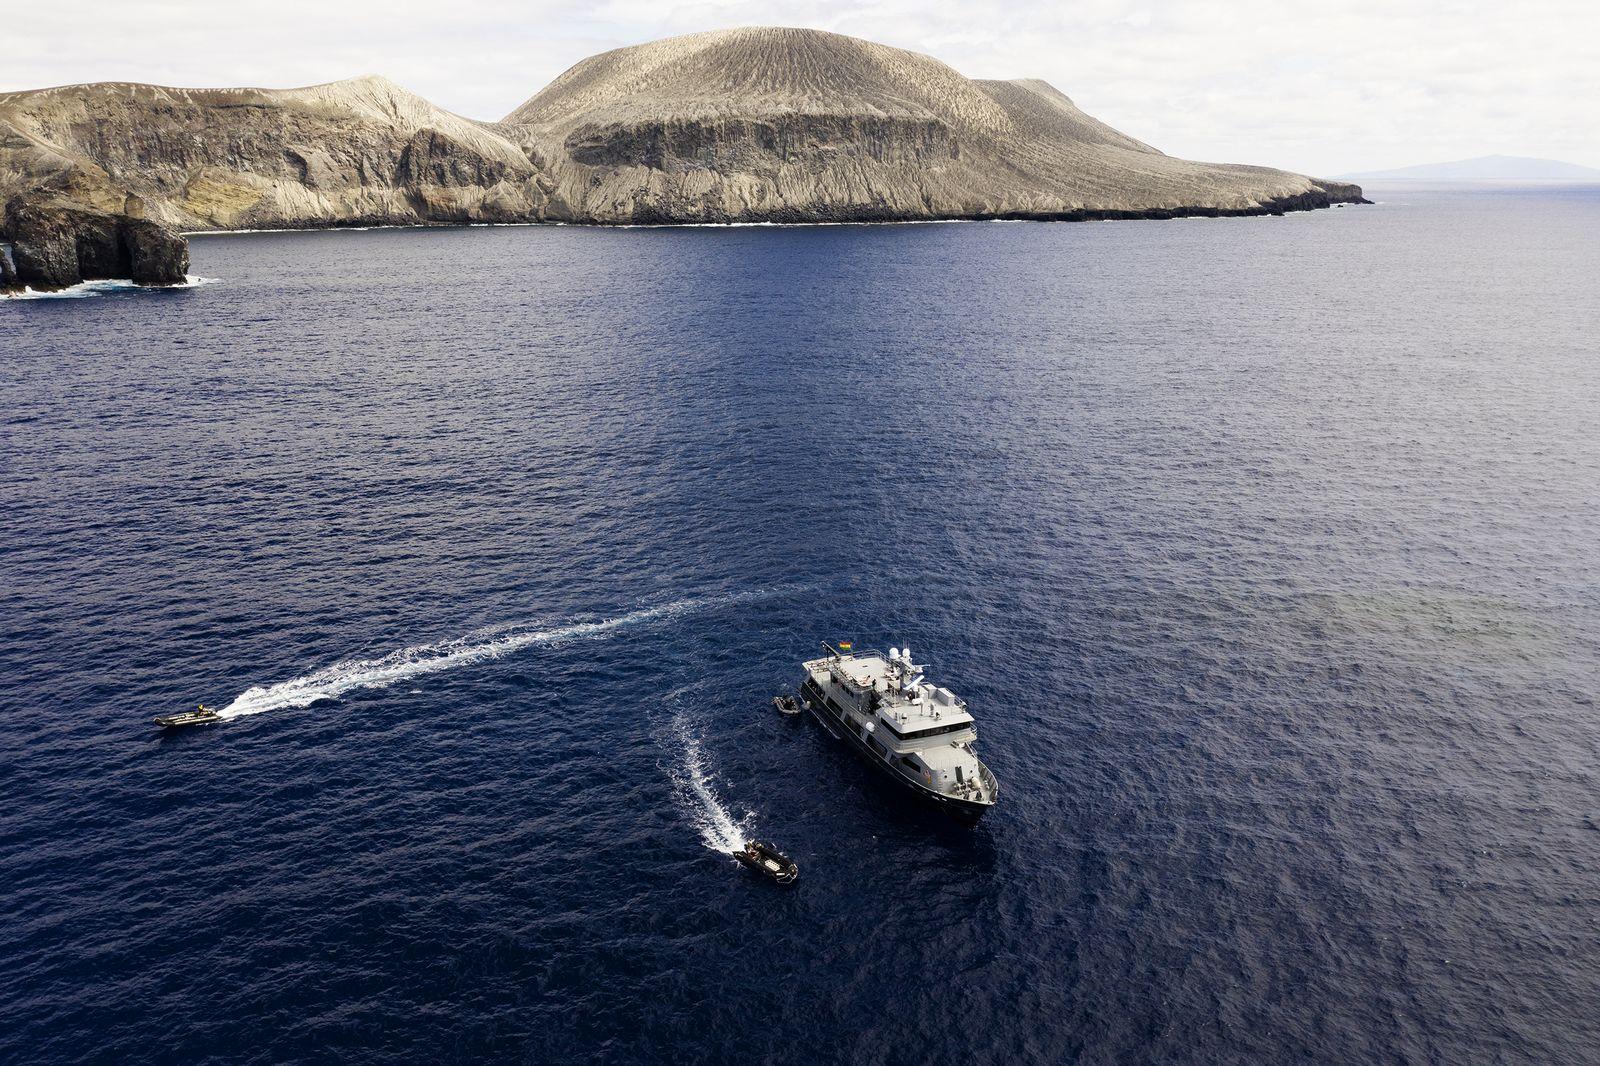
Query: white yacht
[(920, 734)]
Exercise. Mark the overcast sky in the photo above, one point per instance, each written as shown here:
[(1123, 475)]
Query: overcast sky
[(1318, 88)]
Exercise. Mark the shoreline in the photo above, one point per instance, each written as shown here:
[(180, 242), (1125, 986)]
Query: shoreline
[(1277, 208), (1302, 203)]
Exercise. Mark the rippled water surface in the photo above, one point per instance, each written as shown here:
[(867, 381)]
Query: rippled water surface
[(1264, 549)]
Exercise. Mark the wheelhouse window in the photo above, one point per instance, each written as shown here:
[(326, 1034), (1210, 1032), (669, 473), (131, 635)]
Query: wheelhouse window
[(918, 734)]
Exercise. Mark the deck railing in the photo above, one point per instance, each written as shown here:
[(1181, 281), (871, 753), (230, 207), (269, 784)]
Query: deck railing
[(991, 787)]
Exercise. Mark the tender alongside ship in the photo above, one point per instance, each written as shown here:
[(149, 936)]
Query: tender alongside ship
[(921, 735)]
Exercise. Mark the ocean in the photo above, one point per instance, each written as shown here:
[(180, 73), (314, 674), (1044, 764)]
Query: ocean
[(1266, 552)]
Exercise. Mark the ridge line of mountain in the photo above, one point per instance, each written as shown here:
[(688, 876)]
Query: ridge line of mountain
[(746, 125)]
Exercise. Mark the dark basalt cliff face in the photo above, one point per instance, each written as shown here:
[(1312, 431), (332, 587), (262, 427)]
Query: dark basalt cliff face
[(733, 146), (737, 125), (54, 245)]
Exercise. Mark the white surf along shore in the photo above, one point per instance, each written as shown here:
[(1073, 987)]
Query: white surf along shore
[(103, 287)]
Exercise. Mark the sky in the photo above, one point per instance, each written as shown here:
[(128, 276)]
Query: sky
[(1317, 88)]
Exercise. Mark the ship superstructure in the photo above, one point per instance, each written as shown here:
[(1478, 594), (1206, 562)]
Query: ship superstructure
[(921, 734)]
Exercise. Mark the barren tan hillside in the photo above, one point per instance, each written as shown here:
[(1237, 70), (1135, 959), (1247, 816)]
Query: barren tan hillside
[(753, 124), (361, 150), (789, 125)]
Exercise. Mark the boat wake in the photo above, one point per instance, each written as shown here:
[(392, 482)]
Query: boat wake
[(349, 675), (718, 829)]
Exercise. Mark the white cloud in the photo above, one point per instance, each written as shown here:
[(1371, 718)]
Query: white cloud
[(1320, 89)]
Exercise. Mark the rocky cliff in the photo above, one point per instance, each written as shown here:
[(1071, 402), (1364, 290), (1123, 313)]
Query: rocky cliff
[(737, 125), (57, 243), (356, 152), (797, 125)]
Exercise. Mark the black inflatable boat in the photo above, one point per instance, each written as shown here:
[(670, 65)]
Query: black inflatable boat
[(201, 715), (768, 861)]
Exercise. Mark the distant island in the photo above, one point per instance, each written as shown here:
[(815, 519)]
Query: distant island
[(1485, 168), (746, 125)]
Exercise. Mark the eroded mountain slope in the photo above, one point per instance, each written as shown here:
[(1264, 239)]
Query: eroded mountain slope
[(754, 124)]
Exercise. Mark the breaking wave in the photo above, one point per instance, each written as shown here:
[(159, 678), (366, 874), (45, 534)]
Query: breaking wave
[(349, 675), (99, 288)]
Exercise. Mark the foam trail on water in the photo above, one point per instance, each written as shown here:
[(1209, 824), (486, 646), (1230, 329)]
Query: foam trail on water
[(96, 288), (718, 829), (349, 675)]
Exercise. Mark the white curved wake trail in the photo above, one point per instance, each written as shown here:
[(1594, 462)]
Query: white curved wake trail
[(349, 675), (716, 824)]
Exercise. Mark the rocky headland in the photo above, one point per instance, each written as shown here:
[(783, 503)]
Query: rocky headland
[(748, 125)]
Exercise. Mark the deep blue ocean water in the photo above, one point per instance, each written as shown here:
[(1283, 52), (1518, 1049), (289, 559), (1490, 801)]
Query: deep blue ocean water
[(1265, 551)]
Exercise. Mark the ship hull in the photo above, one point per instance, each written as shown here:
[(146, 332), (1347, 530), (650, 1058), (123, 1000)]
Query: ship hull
[(832, 718)]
